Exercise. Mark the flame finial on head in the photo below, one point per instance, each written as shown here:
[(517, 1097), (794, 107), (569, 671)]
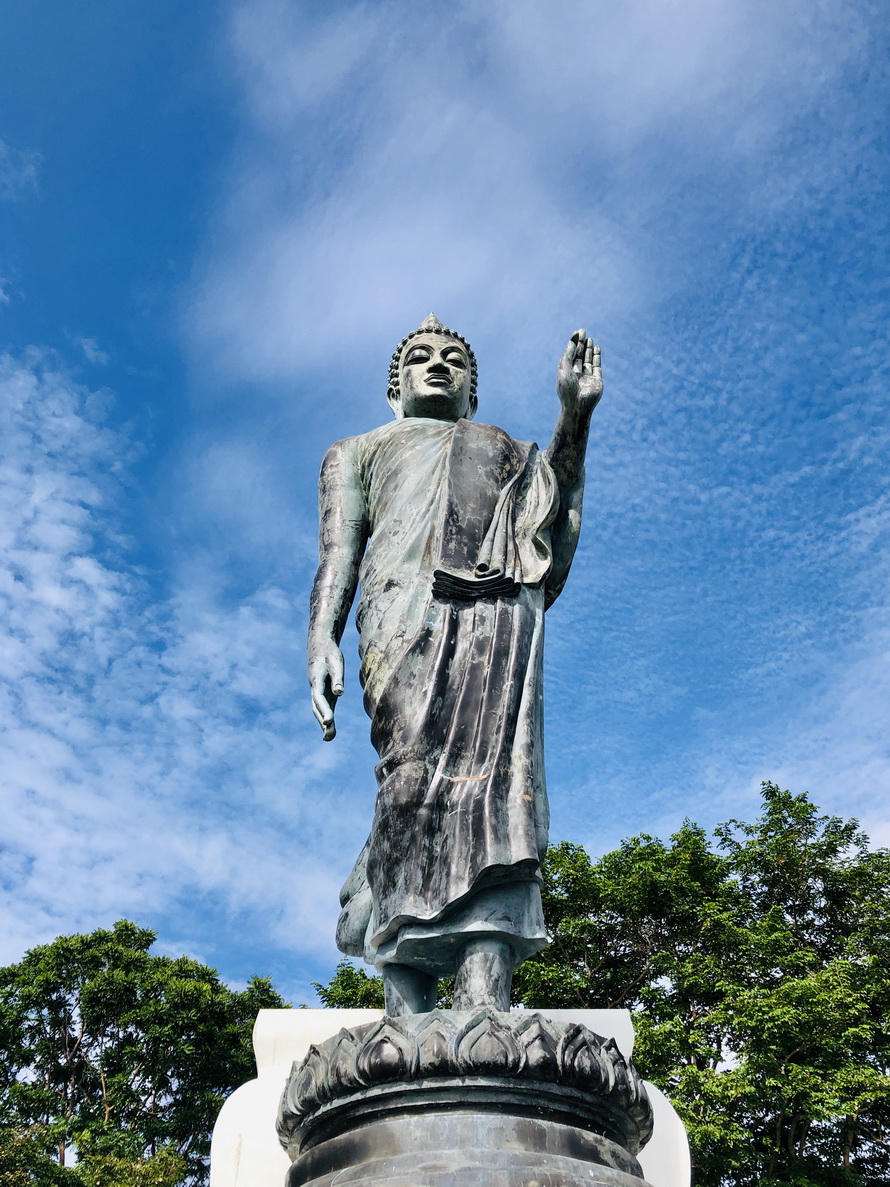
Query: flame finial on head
[(429, 325)]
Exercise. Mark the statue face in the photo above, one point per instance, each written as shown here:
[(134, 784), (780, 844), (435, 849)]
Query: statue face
[(434, 378)]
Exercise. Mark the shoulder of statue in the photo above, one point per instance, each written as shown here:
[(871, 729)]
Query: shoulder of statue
[(342, 458), (352, 454), (343, 448)]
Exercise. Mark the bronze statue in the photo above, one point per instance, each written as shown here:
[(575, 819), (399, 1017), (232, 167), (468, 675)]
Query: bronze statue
[(460, 538)]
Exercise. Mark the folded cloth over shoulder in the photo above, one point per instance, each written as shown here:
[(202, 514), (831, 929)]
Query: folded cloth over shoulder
[(499, 500)]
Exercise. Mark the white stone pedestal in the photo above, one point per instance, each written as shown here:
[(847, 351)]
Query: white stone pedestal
[(245, 1150)]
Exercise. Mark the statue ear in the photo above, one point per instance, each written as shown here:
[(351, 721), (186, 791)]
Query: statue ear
[(473, 408), (394, 401)]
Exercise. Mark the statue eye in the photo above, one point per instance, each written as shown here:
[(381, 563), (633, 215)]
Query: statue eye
[(419, 354), (455, 358)]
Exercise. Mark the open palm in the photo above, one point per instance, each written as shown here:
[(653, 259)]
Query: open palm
[(579, 379)]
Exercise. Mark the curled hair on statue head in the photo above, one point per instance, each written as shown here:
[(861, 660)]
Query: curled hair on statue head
[(430, 325)]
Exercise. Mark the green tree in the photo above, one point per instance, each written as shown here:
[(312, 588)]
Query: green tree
[(351, 989), (26, 1158), (167, 1168), (757, 965), (124, 1055)]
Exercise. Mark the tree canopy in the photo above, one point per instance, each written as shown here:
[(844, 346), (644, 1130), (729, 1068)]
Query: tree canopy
[(756, 962), (123, 1055)]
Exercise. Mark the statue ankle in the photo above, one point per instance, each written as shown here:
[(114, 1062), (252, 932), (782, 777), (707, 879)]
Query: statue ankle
[(484, 976), (407, 990)]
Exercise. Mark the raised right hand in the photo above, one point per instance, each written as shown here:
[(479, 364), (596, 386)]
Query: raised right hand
[(579, 379)]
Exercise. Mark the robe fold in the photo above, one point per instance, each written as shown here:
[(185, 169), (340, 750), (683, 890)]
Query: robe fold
[(451, 623)]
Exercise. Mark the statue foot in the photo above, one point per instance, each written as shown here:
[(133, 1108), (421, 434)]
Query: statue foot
[(484, 975), (407, 990)]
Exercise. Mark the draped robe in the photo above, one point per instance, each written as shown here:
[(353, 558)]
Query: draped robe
[(451, 623)]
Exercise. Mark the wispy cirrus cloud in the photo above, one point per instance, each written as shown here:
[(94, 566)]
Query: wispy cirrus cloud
[(509, 165), (152, 760), (92, 351), (19, 170)]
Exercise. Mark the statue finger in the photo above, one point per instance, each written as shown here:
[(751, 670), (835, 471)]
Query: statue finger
[(588, 357), (336, 671), (322, 705), (322, 708)]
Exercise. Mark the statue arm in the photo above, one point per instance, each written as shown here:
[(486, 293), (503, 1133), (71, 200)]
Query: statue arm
[(343, 534), (564, 534), (580, 386)]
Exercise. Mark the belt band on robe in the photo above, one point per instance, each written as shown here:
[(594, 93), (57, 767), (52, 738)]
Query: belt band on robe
[(487, 584)]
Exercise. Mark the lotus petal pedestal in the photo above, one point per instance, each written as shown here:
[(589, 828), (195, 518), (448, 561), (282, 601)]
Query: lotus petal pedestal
[(480, 1098)]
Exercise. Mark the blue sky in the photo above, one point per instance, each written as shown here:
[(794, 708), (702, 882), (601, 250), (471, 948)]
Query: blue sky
[(216, 221)]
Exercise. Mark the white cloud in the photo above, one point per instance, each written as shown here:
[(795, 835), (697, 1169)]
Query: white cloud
[(153, 754), (18, 171), (92, 352), (502, 165)]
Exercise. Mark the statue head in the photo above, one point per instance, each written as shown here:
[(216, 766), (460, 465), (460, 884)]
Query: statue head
[(433, 373)]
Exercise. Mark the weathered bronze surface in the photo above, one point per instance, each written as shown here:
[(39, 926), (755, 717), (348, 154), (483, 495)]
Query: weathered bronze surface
[(485, 1097), (459, 537)]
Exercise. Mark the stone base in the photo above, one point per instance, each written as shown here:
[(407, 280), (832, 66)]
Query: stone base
[(474, 1149), (481, 1096)]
